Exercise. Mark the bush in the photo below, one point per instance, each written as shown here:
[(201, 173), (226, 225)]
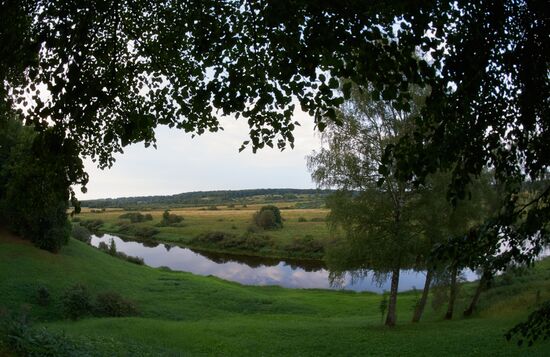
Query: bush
[(169, 219), (145, 232), (131, 259), (42, 296), (111, 250), (268, 217), (136, 217), (18, 335), (111, 304), (76, 302), (307, 245), (93, 225), (103, 246), (81, 233), (302, 219), (317, 219), (248, 241)]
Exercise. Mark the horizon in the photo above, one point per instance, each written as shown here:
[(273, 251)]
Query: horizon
[(210, 191), (209, 162)]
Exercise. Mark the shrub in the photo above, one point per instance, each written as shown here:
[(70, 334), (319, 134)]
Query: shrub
[(317, 219), (169, 219), (111, 304), (136, 217), (18, 335), (302, 219), (92, 224), (103, 246), (42, 296), (81, 233), (307, 245), (145, 232), (76, 302), (268, 217), (252, 229), (214, 237), (131, 259)]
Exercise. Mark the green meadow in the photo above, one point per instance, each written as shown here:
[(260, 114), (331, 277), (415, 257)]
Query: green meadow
[(302, 236), (188, 315)]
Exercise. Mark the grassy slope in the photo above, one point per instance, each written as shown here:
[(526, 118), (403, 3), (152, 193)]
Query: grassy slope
[(230, 220), (201, 315)]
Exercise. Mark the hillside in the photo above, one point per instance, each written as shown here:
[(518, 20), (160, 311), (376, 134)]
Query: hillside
[(213, 198), (184, 314)]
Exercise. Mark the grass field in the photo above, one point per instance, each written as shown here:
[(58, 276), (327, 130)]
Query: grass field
[(188, 315), (302, 228)]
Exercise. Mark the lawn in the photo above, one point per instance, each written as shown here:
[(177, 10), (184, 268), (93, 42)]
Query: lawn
[(184, 314)]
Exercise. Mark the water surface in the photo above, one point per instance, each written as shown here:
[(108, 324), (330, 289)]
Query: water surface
[(248, 270)]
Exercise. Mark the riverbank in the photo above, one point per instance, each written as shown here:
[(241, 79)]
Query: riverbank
[(222, 230), (180, 313)]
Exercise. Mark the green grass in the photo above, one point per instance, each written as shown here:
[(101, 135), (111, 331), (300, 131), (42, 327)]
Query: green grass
[(191, 315), (235, 221)]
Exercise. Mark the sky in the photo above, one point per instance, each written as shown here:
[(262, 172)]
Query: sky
[(208, 162)]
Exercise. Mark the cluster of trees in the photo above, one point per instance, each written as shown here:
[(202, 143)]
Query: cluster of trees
[(205, 197), (34, 184), (383, 224)]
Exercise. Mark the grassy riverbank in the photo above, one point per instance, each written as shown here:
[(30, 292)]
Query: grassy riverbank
[(227, 229), (184, 314)]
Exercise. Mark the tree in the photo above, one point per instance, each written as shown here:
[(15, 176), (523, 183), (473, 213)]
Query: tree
[(442, 222), (379, 232), (268, 217), (34, 185)]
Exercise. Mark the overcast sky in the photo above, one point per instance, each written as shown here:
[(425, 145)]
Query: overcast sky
[(208, 162)]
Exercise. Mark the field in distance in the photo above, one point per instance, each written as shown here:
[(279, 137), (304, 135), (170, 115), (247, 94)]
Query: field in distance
[(224, 228)]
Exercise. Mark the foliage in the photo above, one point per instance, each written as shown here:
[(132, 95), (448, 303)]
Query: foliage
[(111, 304), (77, 302), (81, 233), (307, 244), (111, 250), (170, 219), (136, 217), (145, 232), (537, 326), (215, 197), (43, 296), (92, 225), (23, 339), (247, 242), (112, 247), (268, 217), (34, 184), (379, 230)]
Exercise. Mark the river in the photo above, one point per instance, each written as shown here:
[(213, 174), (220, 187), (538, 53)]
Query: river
[(256, 270)]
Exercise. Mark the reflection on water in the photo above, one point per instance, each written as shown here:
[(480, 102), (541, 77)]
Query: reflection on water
[(256, 270)]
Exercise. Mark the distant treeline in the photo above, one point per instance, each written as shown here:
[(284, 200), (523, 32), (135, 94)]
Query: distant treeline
[(210, 198)]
